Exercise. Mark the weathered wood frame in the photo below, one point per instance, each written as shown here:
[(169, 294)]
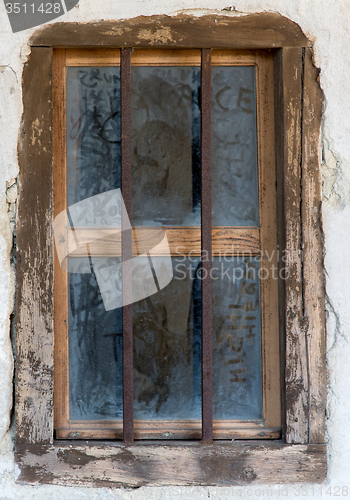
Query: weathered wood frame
[(301, 457)]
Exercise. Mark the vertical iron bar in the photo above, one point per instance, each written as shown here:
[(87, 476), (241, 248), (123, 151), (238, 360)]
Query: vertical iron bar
[(125, 111), (206, 257)]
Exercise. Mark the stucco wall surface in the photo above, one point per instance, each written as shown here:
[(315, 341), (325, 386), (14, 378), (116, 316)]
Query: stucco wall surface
[(327, 26)]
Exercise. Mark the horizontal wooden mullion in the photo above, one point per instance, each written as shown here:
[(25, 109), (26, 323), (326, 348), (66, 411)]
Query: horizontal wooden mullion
[(157, 57), (167, 429), (104, 242), (88, 57), (236, 240)]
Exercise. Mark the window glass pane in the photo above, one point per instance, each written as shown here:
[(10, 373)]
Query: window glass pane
[(237, 363), (95, 350), (167, 348), (93, 131), (93, 167), (166, 191), (235, 199), (165, 145)]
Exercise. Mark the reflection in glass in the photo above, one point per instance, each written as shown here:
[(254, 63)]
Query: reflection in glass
[(95, 350), (93, 167), (166, 191), (93, 131), (167, 348), (234, 147), (237, 363), (165, 120)]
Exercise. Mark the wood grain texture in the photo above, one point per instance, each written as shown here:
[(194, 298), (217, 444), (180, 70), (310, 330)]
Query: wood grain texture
[(96, 57), (297, 383), (34, 302), (105, 242), (61, 373), (314, 294), (268, 238), (156, 57), (221, 464), (166, 429), (305, 369), (305, 372), (279, 142), (264, 30), (296, 363)]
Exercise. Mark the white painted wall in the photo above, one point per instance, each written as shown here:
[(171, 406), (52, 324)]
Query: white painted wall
[(328, 26)]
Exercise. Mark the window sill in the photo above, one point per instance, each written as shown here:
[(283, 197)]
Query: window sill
[(150, 463)]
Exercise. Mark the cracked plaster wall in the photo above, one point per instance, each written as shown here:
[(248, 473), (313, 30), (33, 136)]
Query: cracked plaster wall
[(327, 26)]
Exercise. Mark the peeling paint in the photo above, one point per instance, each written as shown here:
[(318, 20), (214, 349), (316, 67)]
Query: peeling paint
[(117, 31), (36, 132), (161, 35)]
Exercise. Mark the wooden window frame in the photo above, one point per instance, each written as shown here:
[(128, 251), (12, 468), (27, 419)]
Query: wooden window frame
[(245, 240), (301, 454)]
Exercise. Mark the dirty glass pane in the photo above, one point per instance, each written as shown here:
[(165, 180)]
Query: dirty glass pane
[(234, 147), (95, 350), (165, 120), (166, 191), (167, 348), (93, 131), (93, 167), (237, 362)]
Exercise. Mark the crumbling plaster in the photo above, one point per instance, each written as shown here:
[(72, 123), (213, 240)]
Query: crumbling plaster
[(326, 26)]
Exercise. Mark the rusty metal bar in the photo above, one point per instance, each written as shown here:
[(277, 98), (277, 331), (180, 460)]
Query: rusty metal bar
[(125, 113), (206, 258)]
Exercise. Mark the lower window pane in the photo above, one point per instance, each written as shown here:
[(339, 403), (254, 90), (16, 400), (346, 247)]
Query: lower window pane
[(237, 363), (167, 346), (167, 349), (95, 349)]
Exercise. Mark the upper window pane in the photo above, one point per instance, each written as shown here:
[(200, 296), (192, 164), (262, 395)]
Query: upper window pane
[(165, 122), (93, 132), (235, 200)]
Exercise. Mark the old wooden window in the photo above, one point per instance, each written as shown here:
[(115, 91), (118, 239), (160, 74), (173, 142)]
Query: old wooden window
[(188, 135), (286, 110)]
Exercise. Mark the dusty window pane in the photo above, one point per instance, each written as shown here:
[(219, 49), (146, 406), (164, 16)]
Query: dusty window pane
[(95, 351), (93, 131), (166, 191), (167, 348), (93, 167), (234, 147), (237, 364), (165, 145)]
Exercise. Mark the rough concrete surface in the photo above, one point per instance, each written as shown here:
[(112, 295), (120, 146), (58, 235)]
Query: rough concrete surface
[(327, 26)]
